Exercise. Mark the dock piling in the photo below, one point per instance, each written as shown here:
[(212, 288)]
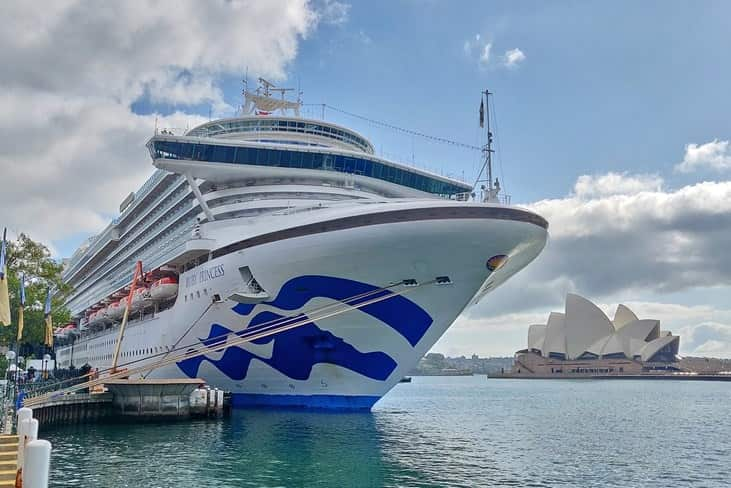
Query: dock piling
[(37, 464)]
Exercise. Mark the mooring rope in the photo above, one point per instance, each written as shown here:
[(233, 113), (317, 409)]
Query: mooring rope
[(244, 338), (263, 326)]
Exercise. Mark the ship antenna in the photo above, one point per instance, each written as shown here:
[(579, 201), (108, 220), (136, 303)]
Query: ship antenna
[(245, 83), (487, 150), (488, 147)]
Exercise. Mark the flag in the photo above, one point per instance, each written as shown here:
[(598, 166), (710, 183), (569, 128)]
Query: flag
[(4, 297), (20, 309), (482, 112), (49, 320)]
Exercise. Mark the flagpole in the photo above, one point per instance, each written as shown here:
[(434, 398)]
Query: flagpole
[(489, 142)]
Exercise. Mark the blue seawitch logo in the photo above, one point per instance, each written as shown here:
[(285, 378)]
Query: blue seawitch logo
[(398, 312), (296, 351)]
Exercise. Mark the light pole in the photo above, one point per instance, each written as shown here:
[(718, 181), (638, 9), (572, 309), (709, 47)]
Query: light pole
[(46, 358), (10, 356), (21, 360), (11, 389)]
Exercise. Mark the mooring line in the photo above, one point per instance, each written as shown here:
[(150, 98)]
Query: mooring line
[(260, 327), (218, 347)]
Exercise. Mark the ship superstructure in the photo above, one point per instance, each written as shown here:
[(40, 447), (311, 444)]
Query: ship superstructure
[(270, 215)]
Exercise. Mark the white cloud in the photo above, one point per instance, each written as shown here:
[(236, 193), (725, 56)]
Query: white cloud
[(485, 54), (714, 155), (615, 237), (333, 12), (70, 146), (593, 186), (513, 57), (709, 338), (479, 49), (703, 330)]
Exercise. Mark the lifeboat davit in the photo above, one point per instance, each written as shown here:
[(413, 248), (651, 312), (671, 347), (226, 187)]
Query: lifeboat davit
[(138, 299), (164, 289)]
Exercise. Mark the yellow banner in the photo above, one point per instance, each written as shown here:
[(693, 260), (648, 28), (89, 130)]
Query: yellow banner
[(49, 331), (4, 301), (20, 324)]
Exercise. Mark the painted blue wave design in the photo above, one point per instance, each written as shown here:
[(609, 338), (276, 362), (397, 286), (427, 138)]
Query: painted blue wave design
[(294, 352), (401, 314)]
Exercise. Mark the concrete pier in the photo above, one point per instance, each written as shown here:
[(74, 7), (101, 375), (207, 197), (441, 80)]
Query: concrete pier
[(126, 399), (156, 398)]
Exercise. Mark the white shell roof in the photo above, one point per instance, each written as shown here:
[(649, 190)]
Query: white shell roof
[(585, 324), (623, 316), (585, 328), (536, 336), (555, 340)]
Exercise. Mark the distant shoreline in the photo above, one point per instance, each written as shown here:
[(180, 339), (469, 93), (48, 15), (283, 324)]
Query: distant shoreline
[(668, 377)]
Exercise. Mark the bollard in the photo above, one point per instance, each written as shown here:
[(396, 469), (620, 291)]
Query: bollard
[(24, 414), (28, 432), (37, 464), (219, 402)]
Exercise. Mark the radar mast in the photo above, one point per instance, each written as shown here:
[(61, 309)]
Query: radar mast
[(262, 102)]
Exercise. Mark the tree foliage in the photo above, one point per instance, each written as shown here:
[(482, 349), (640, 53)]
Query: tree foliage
[(33, 259)]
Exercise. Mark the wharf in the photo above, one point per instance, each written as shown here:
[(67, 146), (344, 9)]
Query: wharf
[(138, 399), (74, 408)]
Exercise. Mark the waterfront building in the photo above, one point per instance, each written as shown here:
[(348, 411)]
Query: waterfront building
[(584, 341)]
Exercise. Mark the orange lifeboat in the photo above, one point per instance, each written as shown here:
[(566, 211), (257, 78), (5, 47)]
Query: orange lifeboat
[(164, 289), (138, 299), (115, 311)]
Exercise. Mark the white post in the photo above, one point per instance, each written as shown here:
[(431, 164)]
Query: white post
[(219, 402), (24, 414), (28, 432), (37, 464)]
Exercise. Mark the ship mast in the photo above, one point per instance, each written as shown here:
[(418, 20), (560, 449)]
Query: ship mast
[(490, 190)]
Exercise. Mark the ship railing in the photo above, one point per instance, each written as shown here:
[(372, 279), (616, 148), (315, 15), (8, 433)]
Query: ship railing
[(103, 237), (133, 240), (146, 187)]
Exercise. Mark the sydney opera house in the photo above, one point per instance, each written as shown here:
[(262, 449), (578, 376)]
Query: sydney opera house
[(583, 341)]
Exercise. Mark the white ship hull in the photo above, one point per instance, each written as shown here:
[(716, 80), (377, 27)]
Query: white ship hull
[(345, 361)]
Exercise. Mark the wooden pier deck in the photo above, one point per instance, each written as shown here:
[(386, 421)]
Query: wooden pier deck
[(8, 460)]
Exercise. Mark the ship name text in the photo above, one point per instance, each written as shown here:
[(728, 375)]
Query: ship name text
[(204, 275)]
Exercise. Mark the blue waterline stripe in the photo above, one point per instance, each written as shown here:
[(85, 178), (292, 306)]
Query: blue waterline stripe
[(330, 402)]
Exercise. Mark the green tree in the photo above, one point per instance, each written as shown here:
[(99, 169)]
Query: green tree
[(33, 259)]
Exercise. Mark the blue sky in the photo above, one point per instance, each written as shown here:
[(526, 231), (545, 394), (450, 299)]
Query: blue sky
[(605, 86), (600, 106)]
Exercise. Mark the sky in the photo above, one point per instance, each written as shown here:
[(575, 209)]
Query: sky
[(612, 122)]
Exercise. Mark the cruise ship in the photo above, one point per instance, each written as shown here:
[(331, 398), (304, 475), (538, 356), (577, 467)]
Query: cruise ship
[(271, 217)]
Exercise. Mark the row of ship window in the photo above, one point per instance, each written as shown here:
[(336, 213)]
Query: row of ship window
[(126, 354), (156, 244), (265, 125), (152, 215), (306, 160)]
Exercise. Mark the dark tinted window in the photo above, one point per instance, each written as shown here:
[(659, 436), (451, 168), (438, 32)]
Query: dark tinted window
[(299, 159)]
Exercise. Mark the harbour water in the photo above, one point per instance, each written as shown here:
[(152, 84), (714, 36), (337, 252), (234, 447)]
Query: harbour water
[(435, 431)]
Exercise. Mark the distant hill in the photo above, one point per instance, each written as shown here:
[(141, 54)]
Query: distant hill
[(705, 365), (438, 364)]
